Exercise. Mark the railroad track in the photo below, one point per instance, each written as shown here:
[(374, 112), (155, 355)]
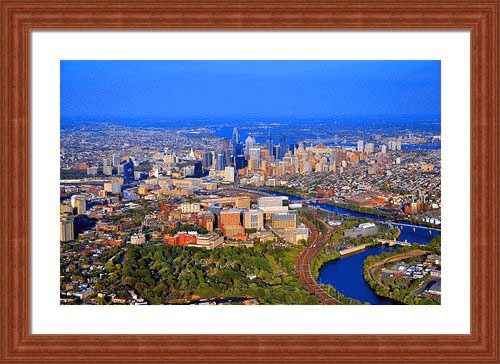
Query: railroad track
[(303, 268)]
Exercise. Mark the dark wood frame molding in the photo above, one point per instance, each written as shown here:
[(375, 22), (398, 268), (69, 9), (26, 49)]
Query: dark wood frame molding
[(19, 18)]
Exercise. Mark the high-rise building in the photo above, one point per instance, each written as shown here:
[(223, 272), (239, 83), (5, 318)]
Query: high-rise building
[(230, 217), (208, 220), (283, 146), (81, 205), (360, 146), (394, 145), (207, 160), (112, 186), (198, 170), (269, 143), (273, 204), (229, 174), (285, 220), (128, 171), (236, 136), (237, 151), (108, 170), (190, 208), (254, 154), (249, 144), (67, 228), (369, 148), (253, 219), (307, 167), (240, 162), (115, 160), (227, 152), (221, 163)]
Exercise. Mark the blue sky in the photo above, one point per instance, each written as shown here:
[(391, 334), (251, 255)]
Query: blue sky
[(192, 89)]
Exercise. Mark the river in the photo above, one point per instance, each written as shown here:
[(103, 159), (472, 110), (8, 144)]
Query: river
[(346, 273), (409, 233)]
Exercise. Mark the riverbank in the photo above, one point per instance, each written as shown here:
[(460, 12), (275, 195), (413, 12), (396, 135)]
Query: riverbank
[(396, 288), (357, 208)]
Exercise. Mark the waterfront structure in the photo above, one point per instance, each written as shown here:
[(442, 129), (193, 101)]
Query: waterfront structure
[(365, 229)]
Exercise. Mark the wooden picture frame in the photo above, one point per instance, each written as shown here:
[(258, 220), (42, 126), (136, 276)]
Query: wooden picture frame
[(20, 18)]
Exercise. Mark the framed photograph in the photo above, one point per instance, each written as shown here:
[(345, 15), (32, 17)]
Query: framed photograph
[(233, 167)]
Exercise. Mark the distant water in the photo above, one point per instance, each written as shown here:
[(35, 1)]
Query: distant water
[(291, 127)]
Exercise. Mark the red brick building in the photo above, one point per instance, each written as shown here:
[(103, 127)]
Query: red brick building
[(181, 240)]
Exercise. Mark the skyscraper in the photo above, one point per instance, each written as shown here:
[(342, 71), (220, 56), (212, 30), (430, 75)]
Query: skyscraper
[(220, 162), (227, 152), (237, 151), (360, 146), (254, 155), (269, 143), (249, 144), (236, 136), (128, 171), (198, 171), (207, 160), (283, 146)]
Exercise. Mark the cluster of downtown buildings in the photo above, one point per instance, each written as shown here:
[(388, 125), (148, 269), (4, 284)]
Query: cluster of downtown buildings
[(371, 175)]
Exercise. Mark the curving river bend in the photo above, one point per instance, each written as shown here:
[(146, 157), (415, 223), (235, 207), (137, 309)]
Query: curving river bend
[(346, 273)]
